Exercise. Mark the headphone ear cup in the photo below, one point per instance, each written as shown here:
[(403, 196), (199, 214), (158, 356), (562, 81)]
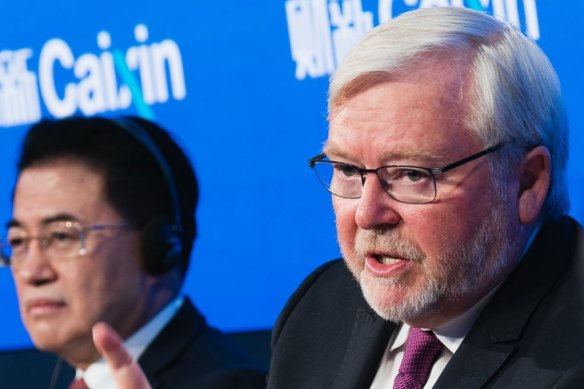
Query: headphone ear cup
[(162, 247)]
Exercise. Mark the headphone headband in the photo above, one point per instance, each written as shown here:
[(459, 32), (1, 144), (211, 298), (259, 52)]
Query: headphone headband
[(162, 243), (142, 136)]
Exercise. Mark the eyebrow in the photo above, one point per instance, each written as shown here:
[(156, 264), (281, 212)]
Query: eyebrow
[(425, 158), (60, 217)]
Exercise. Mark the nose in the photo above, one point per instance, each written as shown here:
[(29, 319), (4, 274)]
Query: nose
[(376, 208), (34, 268)]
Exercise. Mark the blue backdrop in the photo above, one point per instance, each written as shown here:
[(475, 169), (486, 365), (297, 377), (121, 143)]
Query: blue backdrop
[(243, 87)]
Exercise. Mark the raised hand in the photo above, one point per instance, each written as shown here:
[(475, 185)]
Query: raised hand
[(127, 373)]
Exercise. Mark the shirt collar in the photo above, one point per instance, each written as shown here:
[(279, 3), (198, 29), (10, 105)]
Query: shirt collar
[(452, 333)]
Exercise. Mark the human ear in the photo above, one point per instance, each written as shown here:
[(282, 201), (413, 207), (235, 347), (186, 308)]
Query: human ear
[(535, 176)]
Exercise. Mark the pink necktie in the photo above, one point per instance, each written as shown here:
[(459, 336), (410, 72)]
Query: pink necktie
[(422, 349), (78, 383)]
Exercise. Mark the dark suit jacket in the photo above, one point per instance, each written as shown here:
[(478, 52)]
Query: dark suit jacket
[(530, 335), (187, 353)]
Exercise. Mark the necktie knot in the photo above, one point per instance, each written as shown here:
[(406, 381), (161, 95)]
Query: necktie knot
[(422, 350), (78, 383)]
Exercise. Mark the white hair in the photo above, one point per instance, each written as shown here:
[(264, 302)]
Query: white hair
[(515, 94)]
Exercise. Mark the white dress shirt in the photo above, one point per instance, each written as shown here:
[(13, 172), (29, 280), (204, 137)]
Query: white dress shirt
[(98, 375)]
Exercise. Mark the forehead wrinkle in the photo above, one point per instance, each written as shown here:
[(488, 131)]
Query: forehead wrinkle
[(391, 156)]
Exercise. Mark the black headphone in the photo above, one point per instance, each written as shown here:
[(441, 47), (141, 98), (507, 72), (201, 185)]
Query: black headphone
[(162, 242)]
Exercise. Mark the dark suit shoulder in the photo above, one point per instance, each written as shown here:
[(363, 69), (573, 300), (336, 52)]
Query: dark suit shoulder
[(190, 354), (329, 276), (319, 323), (530, 333)]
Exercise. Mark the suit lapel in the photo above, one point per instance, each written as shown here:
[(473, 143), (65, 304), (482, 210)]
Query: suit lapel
[(173, 338), (492, 339), (369, 338), (471, 367)]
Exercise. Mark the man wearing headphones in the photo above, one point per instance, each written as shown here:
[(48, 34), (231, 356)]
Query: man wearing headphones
[(102, 230)]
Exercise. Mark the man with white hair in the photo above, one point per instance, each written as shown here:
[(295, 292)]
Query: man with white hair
[(446, 159)]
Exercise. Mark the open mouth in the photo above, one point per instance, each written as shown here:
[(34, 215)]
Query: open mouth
[(386, 259)]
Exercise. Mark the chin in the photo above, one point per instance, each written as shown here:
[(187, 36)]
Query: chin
[(46, 342), (54, 337), (394, 300)]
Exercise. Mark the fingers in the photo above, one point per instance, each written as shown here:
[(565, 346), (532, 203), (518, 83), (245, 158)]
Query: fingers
[(127, 373)]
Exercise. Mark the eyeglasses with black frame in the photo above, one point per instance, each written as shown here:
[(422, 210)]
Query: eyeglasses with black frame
[(58, 239), (404, 183)]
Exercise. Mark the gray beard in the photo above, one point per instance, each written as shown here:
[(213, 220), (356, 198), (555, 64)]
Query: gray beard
[(459, 270)]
